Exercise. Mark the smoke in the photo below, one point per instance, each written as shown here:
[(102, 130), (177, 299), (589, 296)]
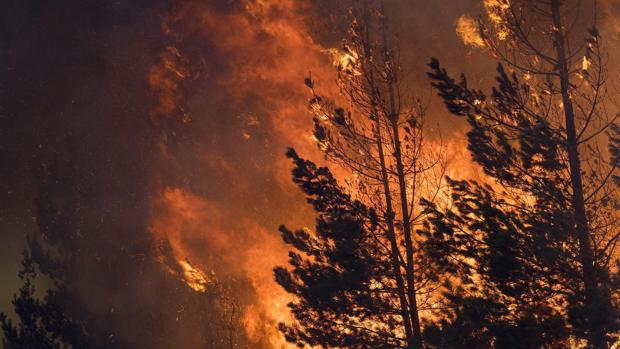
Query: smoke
[(241, 71), (611, 11), (185, 109), (232, 75)]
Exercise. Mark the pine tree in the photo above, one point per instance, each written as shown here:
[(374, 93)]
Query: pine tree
[(42, 323), (381, 141), (56, 320), (531, 255), (336, 272)]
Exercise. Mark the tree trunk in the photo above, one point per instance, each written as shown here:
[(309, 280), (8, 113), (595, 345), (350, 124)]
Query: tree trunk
[(389, 216), (393, 243), (409, 264), (596, 336)]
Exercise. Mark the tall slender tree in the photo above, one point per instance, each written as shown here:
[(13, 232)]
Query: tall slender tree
[(381, 141), (535, 251)]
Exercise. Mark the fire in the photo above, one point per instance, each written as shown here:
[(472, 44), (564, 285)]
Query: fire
[(194, 277), (585, 63), (496, 11), (496, 8), (268, 51), (469, 31), (182, 217), (345, 61)]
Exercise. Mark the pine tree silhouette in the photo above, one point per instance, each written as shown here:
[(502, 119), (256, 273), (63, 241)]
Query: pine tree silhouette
[(530, 256), (336, 272)]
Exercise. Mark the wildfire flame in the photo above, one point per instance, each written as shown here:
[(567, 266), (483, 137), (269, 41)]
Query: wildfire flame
[(194, 277), (496, 11), (345, 61), (469, 31), (585, 63), (269, 52)]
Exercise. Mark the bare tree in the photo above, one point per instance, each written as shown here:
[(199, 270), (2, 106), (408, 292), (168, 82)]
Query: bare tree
[(382, 142)]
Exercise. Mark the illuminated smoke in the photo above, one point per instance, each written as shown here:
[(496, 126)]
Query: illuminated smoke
[(255, 70), (257, 55), (611, 9), (164, 80), (182, 218)]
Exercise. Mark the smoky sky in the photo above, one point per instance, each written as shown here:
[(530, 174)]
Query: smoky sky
[(74, 88)]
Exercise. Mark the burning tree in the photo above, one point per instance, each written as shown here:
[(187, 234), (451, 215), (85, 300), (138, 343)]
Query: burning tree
[(361, 280), (532, 255)]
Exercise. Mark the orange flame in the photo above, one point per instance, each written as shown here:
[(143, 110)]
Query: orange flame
[(469, 31), (269, 52)]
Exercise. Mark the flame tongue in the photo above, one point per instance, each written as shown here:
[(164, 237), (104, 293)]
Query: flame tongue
[(194, 277)]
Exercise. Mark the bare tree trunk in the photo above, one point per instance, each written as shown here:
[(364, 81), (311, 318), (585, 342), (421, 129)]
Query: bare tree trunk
[(400, 285), (409, 264), (596, 336), (393, 243)]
